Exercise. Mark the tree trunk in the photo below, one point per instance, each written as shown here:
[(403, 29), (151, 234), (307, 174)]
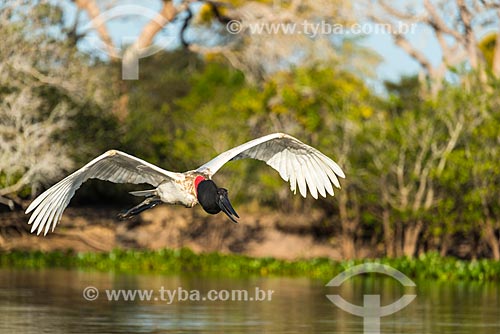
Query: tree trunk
[(411, 235), (491, 239), (388, 234), (348, 247), (349, 225), (445, 244)]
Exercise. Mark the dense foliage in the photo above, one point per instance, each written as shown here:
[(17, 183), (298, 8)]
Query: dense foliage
[(422, 170)]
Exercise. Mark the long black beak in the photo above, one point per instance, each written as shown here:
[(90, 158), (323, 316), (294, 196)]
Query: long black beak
[(225, 205)]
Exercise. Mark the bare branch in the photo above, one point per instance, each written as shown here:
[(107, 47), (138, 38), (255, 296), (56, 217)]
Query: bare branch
[(396, 13), (6, 201), (93, 11), (470, 39), (185, 25), (450, 145), (496, 53), (438, 23), (165, 15), (402, 42)]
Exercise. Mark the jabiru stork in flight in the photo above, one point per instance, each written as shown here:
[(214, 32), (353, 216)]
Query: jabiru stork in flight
[(296, 162)]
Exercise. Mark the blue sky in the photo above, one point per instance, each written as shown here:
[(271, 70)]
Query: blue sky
[(395, 62)]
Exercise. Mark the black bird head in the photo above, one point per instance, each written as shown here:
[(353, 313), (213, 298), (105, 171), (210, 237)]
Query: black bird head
[(213, 199)]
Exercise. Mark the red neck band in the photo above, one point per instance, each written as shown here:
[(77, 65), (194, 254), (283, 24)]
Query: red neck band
[(197, 182)]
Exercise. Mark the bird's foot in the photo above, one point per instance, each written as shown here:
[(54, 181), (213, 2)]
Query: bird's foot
[(149, 203)]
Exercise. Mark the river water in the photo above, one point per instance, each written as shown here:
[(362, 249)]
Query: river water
[(53, 301)]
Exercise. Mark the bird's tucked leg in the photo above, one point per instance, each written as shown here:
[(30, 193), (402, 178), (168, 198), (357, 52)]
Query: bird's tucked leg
[(148, 203)]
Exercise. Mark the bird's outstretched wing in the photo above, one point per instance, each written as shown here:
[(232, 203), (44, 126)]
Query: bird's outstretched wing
[(113, 166), (295, 161)]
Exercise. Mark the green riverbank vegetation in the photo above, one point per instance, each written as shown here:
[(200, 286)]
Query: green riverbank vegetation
[(429, 266)]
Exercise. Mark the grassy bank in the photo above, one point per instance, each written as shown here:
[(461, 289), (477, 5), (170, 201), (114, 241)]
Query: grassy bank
[(428, 266)]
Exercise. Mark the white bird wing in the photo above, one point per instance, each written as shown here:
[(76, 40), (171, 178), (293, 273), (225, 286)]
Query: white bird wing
[(295, 161), (113, 166)]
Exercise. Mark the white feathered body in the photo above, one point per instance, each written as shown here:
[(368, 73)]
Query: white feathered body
[(180, 192)]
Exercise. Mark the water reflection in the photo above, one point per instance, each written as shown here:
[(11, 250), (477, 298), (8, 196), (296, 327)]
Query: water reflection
[(52, 301)]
